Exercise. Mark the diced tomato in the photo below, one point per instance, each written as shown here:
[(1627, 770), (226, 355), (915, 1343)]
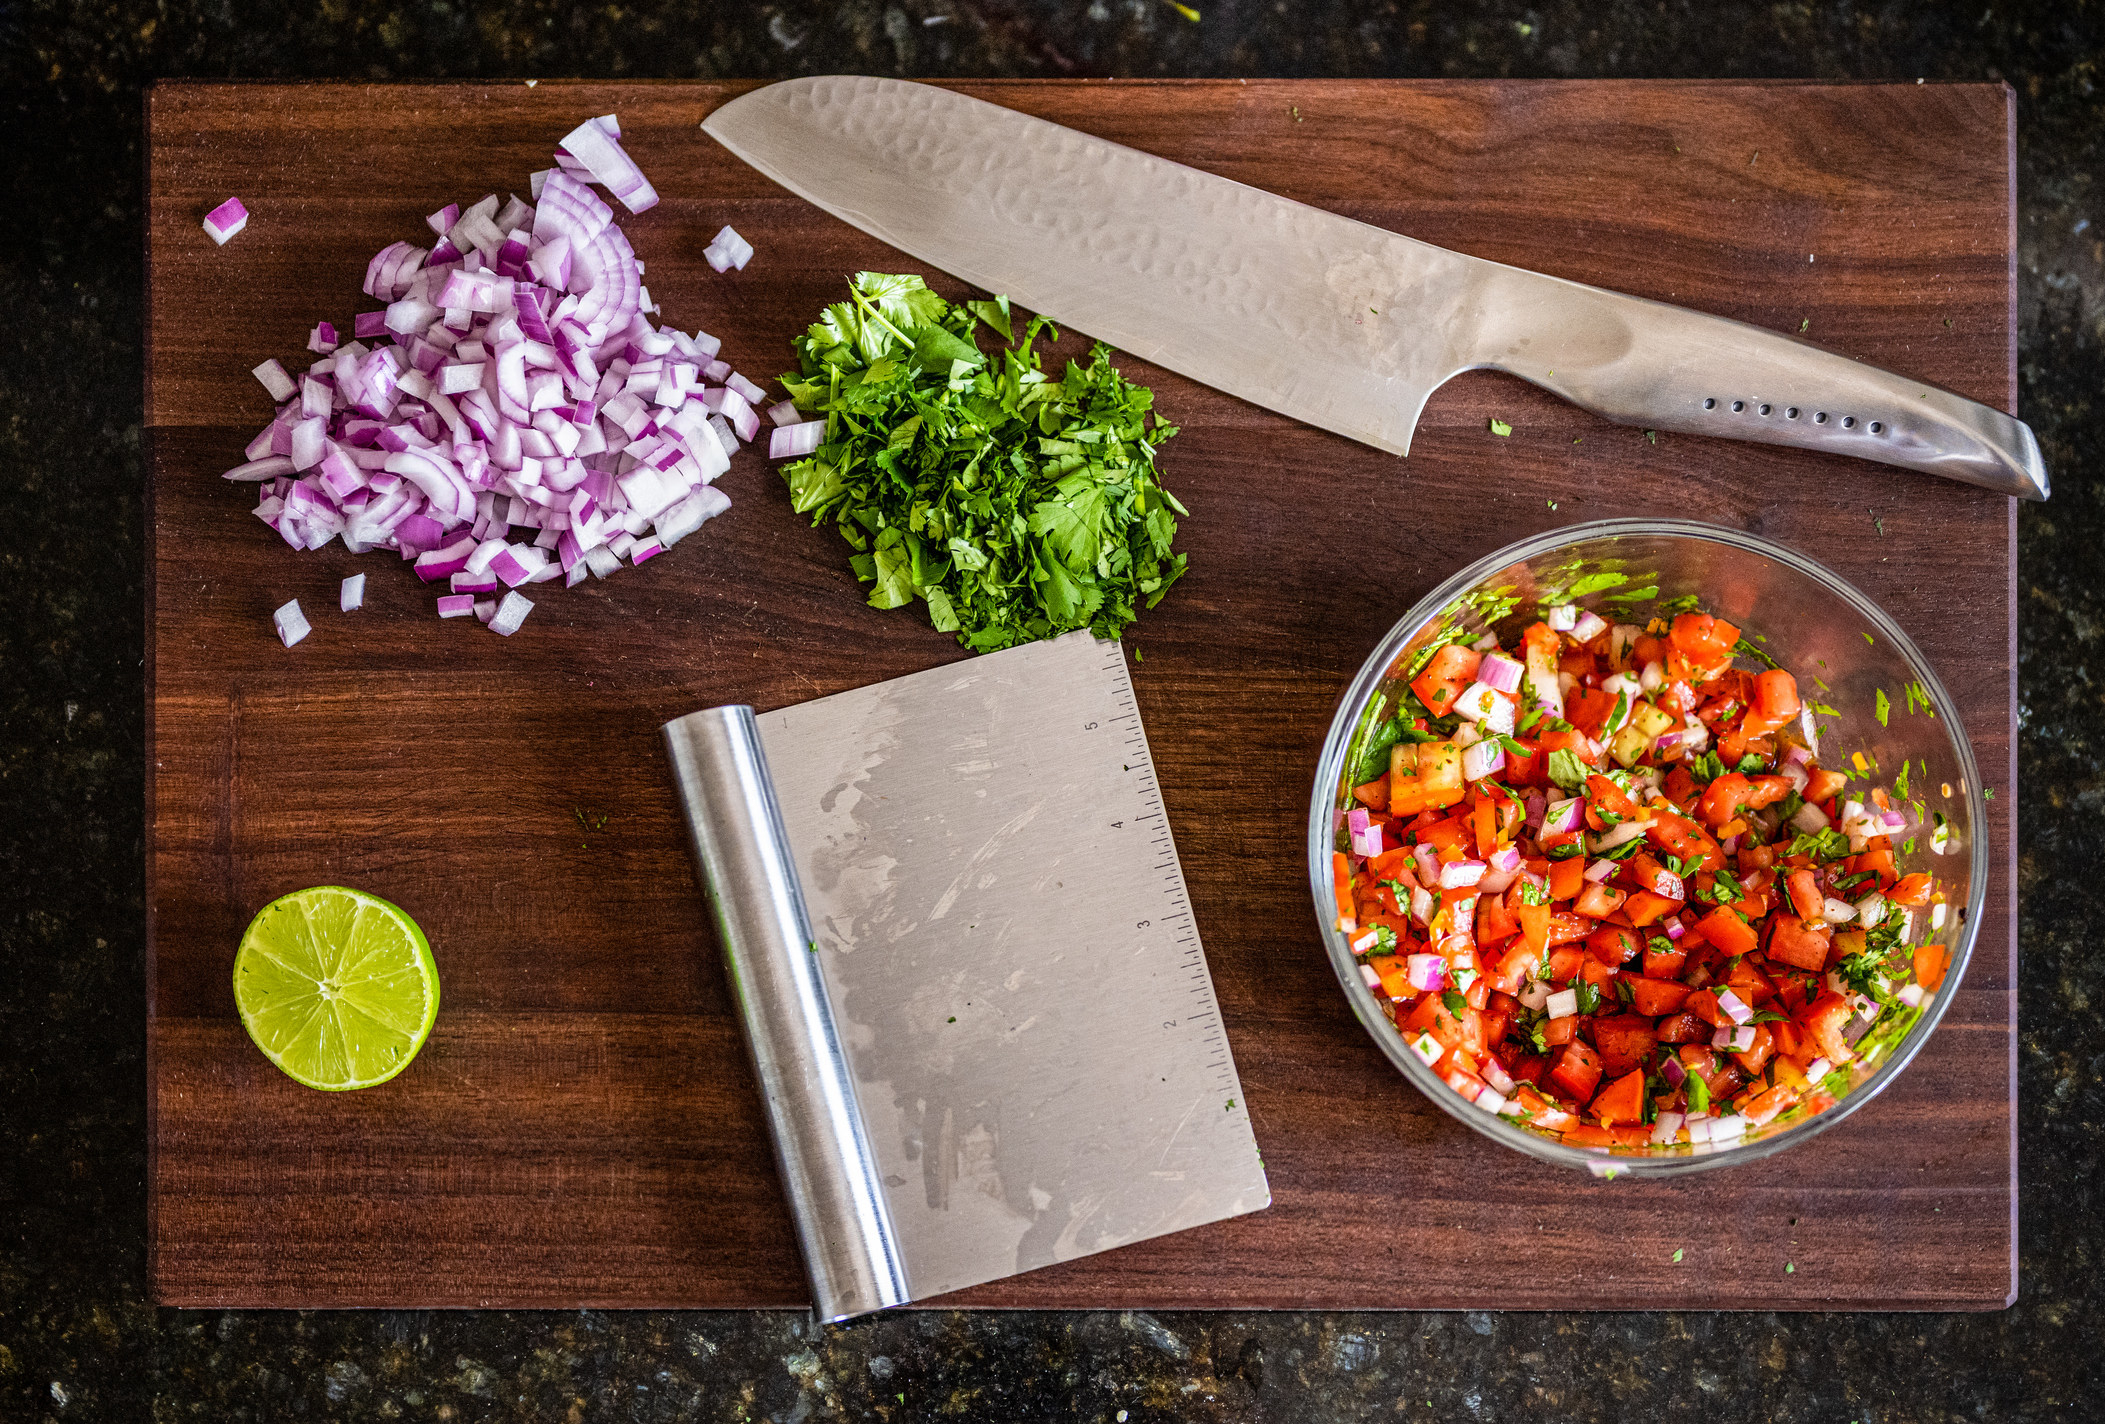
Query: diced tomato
[(1599, 901), (1534, 928), (1729, 932), (1763, 1106), (1823, 1021), (1516, 964), (1910, 890), (1495, 924), (1527, 767), (1424, 776), (1931, 960), (1878, 859), (1431, 1015), (1656, 997), (1800, 943), (1645, 908), (1588, 1135), (1681, 788), (1576, 1071), (1567, 877), (1443, 834), (1753, 1058), (1822, 785), (1588, 709), (1390, 970), (1451, 670), (1560, 1031), (1607, 796), (1565, 960), (1753, 986), (1374, 795), (1483, 825), (1683, 1028), (1679, 836), (1622, 1041), (1384, 865), (1775, 702), (1806, 898), (1614, 945), (1702, 639), (1663, 963), (1621, 1101), (1722, 800), (1341, 884), (1644, 871)]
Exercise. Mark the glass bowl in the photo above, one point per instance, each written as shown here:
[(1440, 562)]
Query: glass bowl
[(1845, 652)]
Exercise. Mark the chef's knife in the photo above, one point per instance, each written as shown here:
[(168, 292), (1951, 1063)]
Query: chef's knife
[(1343, 325)]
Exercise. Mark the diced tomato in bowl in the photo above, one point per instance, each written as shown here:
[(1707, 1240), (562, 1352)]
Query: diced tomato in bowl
[(1664, 916)]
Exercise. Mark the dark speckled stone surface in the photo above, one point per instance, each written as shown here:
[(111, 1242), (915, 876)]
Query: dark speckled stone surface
[(78, 1339)]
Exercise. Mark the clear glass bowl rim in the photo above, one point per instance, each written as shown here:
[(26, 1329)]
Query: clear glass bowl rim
[(1322, 839)]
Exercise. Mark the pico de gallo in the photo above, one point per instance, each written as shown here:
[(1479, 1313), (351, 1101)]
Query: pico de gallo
[(1606, 887)]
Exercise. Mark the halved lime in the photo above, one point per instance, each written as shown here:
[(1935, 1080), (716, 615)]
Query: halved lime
[(337, 987)]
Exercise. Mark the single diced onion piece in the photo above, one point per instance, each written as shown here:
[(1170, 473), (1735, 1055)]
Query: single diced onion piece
[(788, 442), (456, 605), (352, 596), (291, 623), (1562, 1004), (225, 220), (511, 614), (280, 385), (1459, 874), (591, 145)]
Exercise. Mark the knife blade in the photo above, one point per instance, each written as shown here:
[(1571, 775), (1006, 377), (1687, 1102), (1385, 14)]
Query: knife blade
[(1335, 322)]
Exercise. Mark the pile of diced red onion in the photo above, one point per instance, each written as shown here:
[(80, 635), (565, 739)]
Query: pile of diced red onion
[(512, 417)]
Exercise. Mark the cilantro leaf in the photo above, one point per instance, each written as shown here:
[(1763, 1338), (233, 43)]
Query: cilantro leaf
[(1567, 770)]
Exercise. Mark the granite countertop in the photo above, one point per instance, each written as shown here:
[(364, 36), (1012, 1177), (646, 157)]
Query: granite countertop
[(78, 1338)]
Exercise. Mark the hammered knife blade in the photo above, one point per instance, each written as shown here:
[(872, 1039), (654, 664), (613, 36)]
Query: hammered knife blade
[(1343, 325)]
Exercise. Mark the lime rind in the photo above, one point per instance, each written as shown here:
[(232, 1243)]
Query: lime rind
[(336, 987)]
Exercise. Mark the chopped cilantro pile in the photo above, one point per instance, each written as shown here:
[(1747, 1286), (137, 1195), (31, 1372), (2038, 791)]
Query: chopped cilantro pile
[(1016, 504)]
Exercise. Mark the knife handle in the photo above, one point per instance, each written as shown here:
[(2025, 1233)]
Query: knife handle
[(1645, 363)]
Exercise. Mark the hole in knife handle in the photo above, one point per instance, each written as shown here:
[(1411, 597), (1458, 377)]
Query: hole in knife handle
[(1877, 429), (1849, 422), (1765, 408), (1820, 417), (1738, 406), (1790, 412), (1710, 402)]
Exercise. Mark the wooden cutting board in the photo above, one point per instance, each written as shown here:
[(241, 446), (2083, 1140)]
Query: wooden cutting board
[(582, 1128)]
